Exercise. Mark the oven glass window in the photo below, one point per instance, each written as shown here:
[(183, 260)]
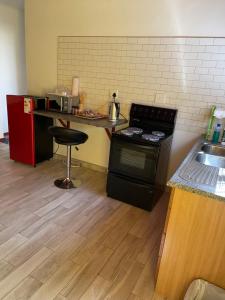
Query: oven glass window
[(132, 158)]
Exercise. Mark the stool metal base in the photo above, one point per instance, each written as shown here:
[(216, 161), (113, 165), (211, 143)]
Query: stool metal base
[(67, 183), (64, 183)]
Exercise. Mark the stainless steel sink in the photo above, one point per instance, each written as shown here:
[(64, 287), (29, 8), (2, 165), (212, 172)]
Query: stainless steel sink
[(210, 160), (214, 149)]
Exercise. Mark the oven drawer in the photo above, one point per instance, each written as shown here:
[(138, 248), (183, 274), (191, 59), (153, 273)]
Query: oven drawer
[(130, 191)]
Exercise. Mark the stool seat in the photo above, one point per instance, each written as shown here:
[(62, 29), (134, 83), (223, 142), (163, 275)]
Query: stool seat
[(66, 136)]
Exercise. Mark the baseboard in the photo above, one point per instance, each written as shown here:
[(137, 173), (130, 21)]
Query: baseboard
[(84, 164), (93, 166)]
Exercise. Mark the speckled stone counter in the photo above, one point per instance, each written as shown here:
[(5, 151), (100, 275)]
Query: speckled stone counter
[(196, 177)]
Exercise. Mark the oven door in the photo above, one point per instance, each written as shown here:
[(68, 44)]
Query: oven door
[(133, 160)]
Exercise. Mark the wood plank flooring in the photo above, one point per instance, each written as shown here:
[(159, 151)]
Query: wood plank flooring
[(77, 244)]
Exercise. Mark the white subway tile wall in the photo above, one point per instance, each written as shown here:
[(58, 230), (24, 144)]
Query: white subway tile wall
[(183, 73)]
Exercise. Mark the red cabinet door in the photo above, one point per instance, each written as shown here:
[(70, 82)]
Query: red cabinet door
[(21, 131)]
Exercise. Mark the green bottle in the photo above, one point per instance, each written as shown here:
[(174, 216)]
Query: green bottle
[(210, 124), (216, 134)]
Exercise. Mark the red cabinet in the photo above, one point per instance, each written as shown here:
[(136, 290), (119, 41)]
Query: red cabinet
[(24, 135)]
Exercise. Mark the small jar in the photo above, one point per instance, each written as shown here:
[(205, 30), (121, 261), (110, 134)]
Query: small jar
[(75, 110)]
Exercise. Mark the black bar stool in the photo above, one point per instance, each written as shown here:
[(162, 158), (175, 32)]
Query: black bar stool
[(68, 137)]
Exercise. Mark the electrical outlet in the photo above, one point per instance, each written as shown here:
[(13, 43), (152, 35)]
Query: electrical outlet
[(112, 91)]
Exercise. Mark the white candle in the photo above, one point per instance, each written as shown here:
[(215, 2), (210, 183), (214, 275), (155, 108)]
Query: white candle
[(75, 86)]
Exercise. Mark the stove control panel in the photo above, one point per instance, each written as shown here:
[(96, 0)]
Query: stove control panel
[(141, 113)]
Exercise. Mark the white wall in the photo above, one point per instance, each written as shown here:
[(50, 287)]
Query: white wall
[(183, 73), (46, 20), (12, 56)]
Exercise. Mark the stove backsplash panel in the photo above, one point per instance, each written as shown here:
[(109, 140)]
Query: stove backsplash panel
[(183, 73)]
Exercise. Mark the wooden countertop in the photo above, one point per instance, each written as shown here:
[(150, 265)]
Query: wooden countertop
[(104, 123)]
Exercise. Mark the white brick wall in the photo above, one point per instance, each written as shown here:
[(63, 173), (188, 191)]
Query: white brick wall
[(183, 73)]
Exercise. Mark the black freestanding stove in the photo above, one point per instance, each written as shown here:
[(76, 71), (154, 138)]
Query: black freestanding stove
[(139, 156)]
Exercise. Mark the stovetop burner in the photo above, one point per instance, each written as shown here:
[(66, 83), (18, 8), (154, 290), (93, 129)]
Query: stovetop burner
[(159, 134), (150, 137), (135, 132), (126, 132), (130, 131)]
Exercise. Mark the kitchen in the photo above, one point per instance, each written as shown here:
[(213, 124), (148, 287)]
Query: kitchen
[(174, 61)]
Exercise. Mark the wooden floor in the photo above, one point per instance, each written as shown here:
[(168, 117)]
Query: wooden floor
[(76, 244)]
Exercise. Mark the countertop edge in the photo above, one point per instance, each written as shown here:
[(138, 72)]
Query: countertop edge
[(194, 190), (101, 123)]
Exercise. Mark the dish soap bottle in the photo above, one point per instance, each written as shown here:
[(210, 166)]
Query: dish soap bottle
[(210, 123), (223, 138), (216, 134)]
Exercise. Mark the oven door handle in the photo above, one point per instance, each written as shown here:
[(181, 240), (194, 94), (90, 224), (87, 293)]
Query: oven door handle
[(133, 180), (148, 147)]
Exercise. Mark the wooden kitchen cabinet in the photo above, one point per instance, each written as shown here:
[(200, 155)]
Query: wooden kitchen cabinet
[(193, 244), (164, 233)]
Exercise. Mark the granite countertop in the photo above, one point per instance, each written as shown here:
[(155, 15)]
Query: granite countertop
[(196, 177)]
